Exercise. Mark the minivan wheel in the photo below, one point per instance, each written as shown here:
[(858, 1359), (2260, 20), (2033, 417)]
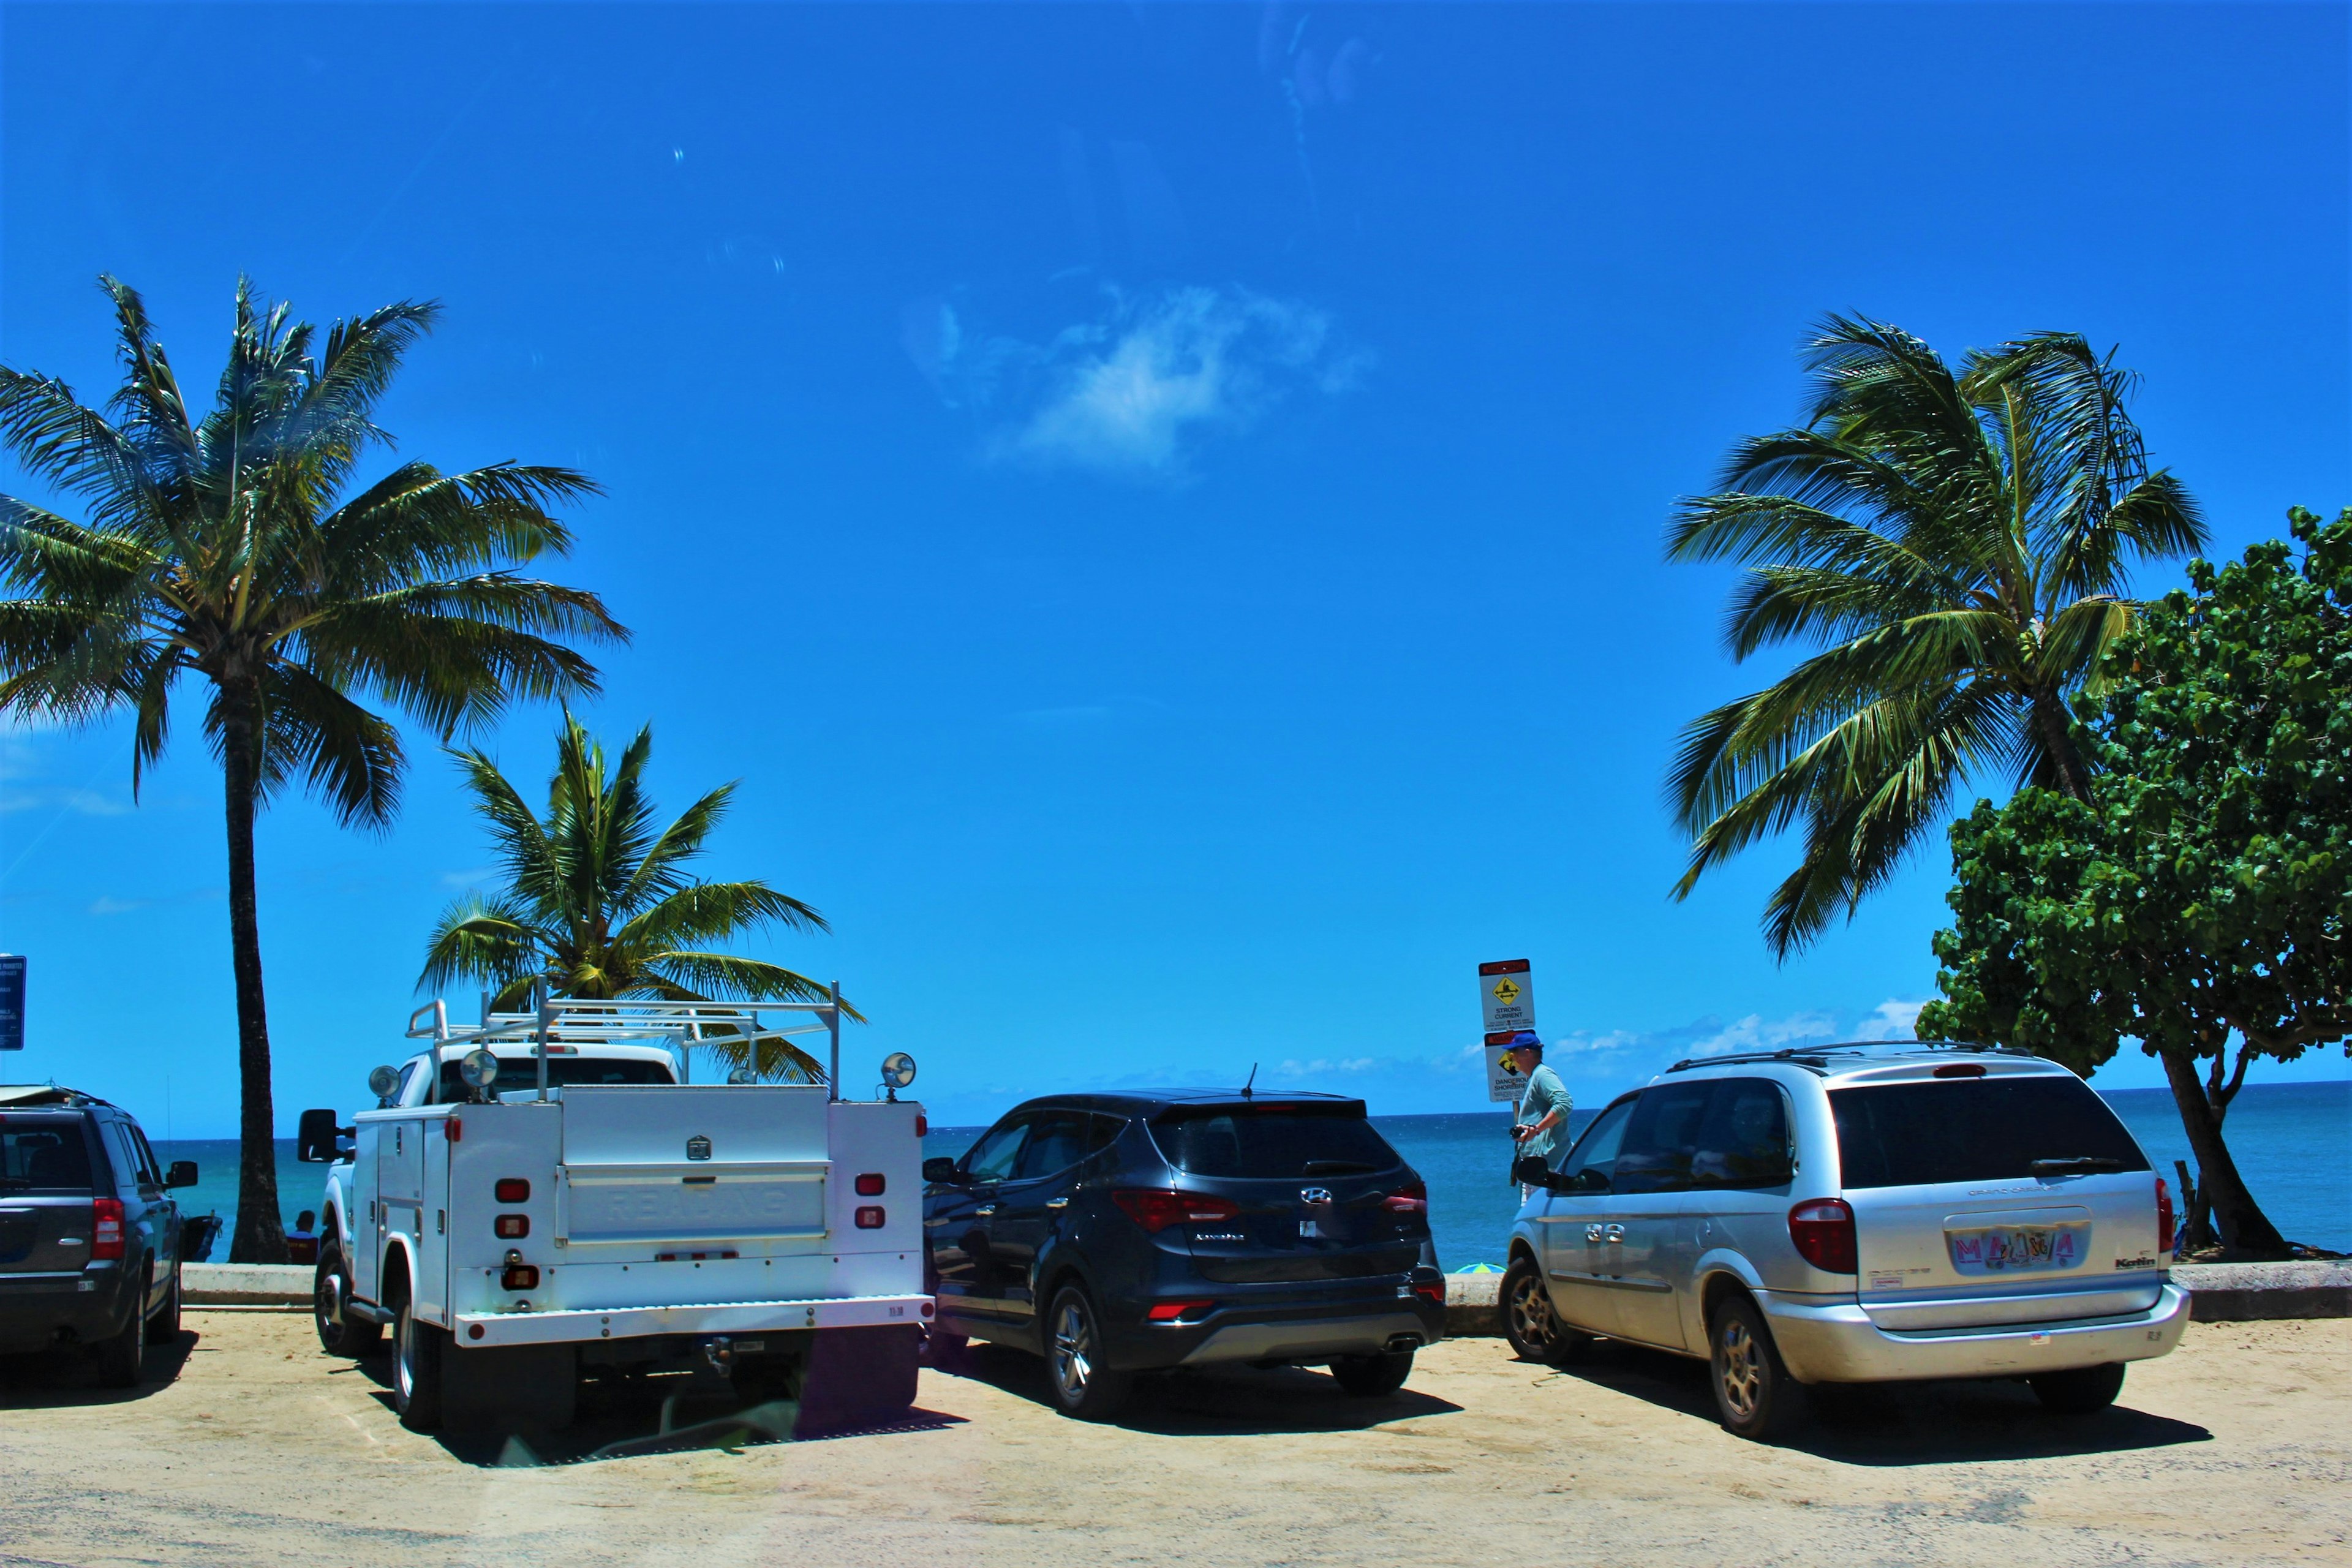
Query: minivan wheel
[(1370, 1376), (340, 1334), (416, 1349), (2081, 1392), (1754, 1394), (1531, 1323), (1081, 1385)]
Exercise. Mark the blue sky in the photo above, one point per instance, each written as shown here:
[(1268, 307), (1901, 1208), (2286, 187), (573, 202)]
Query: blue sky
[(1158, 505)]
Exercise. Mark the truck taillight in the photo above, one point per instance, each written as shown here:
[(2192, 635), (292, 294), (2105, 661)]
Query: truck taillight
[(512, 1226), (1822, 1230), (513, 1190), (2163, 1216), (519, 1277), (922, 1125), (106, 1229), (1156, 1209), (870, 1217), (454, 1128), (870, 1184)]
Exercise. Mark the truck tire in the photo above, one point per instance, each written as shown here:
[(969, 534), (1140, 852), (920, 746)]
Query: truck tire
[(416, 1348), (123, 1357), (331, 1288), (859, 1377), (1755, 1395)]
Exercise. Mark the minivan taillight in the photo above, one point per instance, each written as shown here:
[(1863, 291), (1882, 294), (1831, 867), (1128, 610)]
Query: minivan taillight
[(106, 1229), (1822, 1230), (2163, 1216), (1155, 1209)]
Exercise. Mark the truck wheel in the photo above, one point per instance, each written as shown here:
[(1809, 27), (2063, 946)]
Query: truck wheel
[(2084, 1391), (123, 1357), (1075, 1377), (338, 1334), (859, 1377), (1370, 1376), (164, 1326), (1754, 1394), (416, 1349)]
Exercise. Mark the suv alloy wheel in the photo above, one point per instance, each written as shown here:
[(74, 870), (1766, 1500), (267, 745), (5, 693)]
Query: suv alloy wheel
[(1081, 1385)]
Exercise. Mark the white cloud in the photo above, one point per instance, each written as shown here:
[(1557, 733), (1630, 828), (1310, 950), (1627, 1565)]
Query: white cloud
[(1133, 391), (102, 907), (1322, 1065), (1753, 1034), (1892, 1019), (465, 881)]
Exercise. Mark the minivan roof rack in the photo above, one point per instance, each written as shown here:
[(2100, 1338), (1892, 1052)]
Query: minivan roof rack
[(1813, 1057), (566, 1020)]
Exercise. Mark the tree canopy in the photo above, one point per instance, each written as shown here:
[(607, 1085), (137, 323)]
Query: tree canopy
[(2197, 898)]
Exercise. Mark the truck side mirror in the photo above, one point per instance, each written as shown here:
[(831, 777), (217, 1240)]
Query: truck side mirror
[(183, 1173), (314, 1138), (940, 1168)]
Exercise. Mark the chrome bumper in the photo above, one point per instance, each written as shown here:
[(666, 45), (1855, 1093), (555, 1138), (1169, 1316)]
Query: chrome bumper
[(588, 1324), (1839, 1343)]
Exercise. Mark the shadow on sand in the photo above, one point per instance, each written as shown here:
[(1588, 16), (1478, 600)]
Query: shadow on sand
[(1940, 1423), (1219, 1402), (66, 1377)]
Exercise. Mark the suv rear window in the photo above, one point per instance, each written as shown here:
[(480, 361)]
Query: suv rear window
[(1973, 1129), (43, 1151), (1278, 1141)]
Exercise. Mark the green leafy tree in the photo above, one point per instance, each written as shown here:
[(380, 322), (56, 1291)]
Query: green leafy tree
[(216, 547), (1954, 547), (600, 905), (2198, 900)]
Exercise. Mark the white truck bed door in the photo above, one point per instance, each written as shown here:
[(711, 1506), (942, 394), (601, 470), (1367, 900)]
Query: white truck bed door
[(681, 1163)]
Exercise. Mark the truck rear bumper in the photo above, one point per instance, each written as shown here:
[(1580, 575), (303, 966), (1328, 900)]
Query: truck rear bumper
[(572, 1326)]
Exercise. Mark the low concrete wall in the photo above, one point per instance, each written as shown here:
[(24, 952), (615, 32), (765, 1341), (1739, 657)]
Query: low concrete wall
[(2217, 1293), (244, 1285)]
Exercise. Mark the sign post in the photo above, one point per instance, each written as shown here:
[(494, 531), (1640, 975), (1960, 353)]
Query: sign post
[(12, 1002), (1507, 1000)]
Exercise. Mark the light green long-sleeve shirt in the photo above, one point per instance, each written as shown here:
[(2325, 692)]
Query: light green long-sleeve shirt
[(1545, 1094)]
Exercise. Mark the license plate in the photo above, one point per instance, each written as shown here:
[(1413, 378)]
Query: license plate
[(2017, 1249)]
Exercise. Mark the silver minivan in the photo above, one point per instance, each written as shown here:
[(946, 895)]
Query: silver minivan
[(1851, 1214)]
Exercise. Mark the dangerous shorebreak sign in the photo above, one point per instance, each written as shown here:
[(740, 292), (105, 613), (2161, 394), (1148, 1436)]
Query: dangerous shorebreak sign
[(1506, 999)]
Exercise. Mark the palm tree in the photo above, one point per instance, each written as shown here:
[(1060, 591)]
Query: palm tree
[(599, 905), (215, 546), (1956, 548)]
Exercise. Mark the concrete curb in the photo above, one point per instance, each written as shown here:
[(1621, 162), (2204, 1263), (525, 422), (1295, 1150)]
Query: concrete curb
[(2217, 1293), (244, 1285)]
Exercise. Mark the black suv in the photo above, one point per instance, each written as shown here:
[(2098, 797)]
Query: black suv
[(1115, 1234), (89, 1233)]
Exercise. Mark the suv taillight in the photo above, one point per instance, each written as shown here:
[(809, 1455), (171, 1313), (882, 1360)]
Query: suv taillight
[(1155, 1209), (1822, 1230), (2163, 1216), (106, 1229), (1410, 1198)]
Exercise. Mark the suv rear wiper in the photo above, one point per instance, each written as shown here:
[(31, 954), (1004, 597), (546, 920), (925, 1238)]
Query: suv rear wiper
[(1336, 1168), (2074, 1164)]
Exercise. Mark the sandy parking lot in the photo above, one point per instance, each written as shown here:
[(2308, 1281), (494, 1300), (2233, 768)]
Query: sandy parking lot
[(259, 1450)]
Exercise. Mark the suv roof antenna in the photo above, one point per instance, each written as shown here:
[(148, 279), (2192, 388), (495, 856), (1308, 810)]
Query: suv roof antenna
[(1253, 1078)]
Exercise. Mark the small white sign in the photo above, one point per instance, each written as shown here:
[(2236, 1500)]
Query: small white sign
[(1504, 1085), (1507, 995)]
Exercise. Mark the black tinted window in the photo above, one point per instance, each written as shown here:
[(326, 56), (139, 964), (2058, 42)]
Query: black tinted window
[(1662, 1139), (1597, 1150), (520, 1075), (43, 1151), (1973, 1129), (1058, 1140), (1284, 1142), (991, 1158), (1743, 1139)]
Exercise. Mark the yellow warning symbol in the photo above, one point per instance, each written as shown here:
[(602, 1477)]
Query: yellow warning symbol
[(1506, 991)]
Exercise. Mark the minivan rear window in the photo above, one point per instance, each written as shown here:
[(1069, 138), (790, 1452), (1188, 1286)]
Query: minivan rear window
[(1286, 1142), (43, 1153), (1974, 1130)]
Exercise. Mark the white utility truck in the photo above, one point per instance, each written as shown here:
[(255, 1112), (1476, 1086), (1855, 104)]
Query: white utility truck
[(546, 1195)]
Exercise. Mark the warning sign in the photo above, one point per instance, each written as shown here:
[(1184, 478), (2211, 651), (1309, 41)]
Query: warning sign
[(1506, 999)]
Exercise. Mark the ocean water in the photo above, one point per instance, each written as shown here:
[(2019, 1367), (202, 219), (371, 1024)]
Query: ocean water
[(2293, 1143)]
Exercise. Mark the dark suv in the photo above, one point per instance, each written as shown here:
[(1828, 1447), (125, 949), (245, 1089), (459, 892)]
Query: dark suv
[(89, 1233), (1115, 1234)]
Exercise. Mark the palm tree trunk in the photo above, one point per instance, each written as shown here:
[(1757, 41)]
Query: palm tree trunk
[(260, 1234), (2246, 1231), (2053, 727)]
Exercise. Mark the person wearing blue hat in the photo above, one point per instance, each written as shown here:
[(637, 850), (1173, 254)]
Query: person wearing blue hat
[(1540, 1125)]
